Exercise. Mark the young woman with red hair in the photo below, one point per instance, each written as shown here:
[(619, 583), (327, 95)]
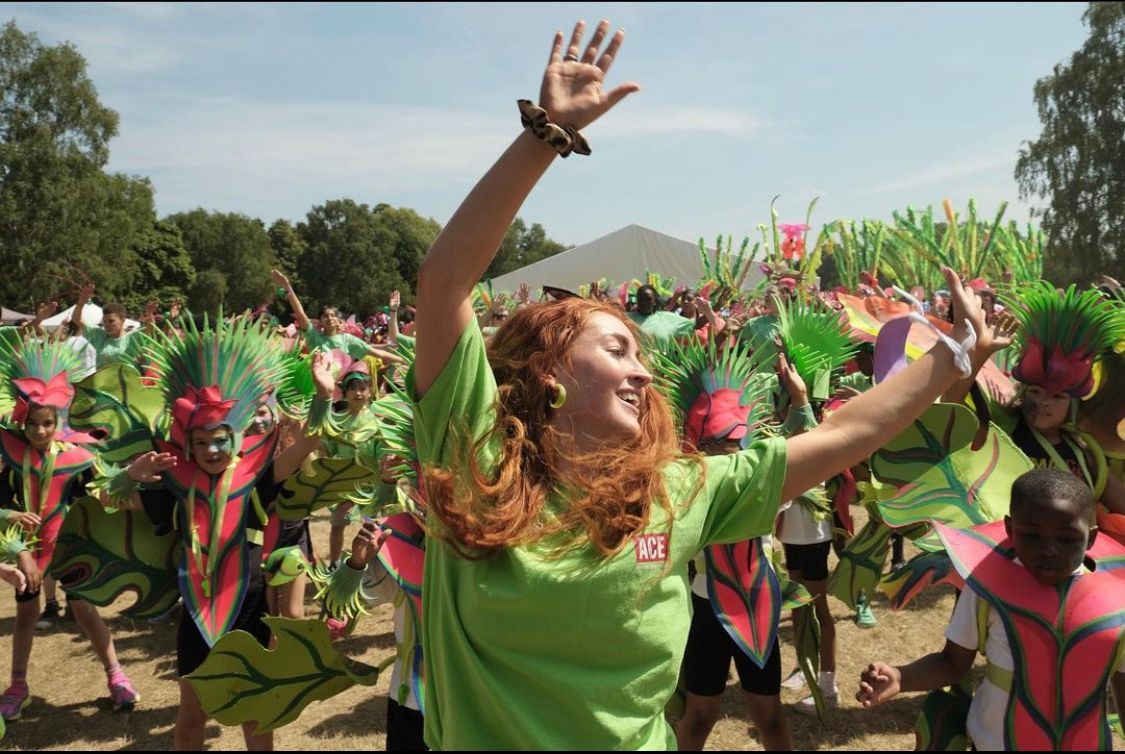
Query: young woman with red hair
[(562, 513)]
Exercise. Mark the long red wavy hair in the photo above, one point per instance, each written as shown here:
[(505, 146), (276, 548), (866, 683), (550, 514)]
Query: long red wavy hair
[(606, 496)]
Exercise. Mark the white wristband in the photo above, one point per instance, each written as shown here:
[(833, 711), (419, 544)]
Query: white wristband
[(960, 350)]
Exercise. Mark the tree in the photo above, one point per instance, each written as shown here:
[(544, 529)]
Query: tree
[(164, 269), (522, 246), (236, 247), (1078, 162), (61, 215), (349, 261), (413, 236)]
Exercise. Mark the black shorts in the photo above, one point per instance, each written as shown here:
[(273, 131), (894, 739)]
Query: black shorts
[(710, 650), (404, 728), (30, 596), (192, 648), (810, 560), (295, 534)]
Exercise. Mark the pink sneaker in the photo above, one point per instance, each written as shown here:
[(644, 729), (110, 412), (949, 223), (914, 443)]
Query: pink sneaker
[(337, 628), (14, 701), (121, 691)]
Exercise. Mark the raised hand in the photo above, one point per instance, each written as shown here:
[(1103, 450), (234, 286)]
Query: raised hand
[(146, 469), (792, 382), (572, 91), (322, 375), (999, 334), (396, 300), (279, 279), (367, 543), (46, 309)]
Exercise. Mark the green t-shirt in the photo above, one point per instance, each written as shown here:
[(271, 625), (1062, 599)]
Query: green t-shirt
[(341, 341), (664, 327), (577, 652), (120, 350)]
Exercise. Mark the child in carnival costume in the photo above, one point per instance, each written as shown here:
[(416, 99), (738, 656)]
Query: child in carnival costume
[(1062, 342), (214, 483), (1045, 602), (42, 475), (723, 403)]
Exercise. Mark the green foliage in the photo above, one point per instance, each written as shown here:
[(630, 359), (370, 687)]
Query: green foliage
[(1078, 162), (59, 210), (522, 246), (349, 259), (234, 246)]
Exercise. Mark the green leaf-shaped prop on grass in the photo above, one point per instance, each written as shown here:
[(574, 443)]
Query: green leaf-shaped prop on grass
[(241, 681), (331, 481), (101, 555)]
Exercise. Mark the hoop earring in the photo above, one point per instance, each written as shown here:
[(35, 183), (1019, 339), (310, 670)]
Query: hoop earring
[(559, 399)]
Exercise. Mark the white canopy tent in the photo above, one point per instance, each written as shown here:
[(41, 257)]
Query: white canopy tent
[(621, 256), (91, 315)]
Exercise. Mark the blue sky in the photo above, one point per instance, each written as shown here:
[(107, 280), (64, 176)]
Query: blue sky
[(270, 109)]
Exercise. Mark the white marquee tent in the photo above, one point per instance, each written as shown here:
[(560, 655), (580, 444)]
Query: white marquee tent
[(91, 315), (620, 256)]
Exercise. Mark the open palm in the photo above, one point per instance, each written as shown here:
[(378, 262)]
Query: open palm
[(572, 92)]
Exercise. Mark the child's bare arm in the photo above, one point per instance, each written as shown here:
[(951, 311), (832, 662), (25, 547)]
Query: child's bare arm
[(880, 681)]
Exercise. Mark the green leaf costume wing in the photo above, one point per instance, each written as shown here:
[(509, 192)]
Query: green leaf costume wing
[(101, 555), (241, 681)]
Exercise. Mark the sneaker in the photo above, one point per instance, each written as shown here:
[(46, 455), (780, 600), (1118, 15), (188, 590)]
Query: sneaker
[(121, 691), (49, 617), (337, 628), (864, 617), (796, 680), (897, 565), (14, 701), (807, 706)]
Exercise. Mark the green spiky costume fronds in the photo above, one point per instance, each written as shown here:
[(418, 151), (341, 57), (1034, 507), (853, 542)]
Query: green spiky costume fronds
[(37, 358), (816, 343), (1063, 335), (685, 371), (233, 355)]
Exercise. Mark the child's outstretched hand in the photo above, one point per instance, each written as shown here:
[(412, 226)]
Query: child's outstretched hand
[(14, 576), (877, 684)]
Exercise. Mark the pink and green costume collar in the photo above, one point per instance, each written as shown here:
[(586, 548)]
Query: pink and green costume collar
[(1065, 640)]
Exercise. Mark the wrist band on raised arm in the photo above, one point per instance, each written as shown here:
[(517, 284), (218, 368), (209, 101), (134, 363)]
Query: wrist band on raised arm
[(960, 350), (564, 139)]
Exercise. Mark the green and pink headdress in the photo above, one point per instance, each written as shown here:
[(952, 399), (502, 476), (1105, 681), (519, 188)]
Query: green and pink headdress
[(817, 343), (35, 372), (1063, 335), (717, 394), (215, 376)]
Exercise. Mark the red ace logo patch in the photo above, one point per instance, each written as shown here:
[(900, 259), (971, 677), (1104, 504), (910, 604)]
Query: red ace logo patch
[(652, 548)]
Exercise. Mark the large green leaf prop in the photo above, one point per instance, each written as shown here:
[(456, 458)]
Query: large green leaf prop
[(115, 401), (101, 555), (241, 681), (861, 563), (331, 481), (938, 476), (941, 723)]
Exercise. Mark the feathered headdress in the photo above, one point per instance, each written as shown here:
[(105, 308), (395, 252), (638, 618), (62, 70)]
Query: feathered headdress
[(35, 372), (1063, 335), (216, 375), (718, 394)]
